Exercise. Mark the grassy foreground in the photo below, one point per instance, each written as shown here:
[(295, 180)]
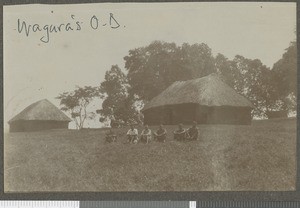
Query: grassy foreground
[(258, 157)]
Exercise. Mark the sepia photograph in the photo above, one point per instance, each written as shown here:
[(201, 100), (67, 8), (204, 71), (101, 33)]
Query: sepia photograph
[(150, 97)]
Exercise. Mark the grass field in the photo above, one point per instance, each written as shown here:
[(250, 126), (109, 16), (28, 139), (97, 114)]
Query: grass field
[(258, 157)]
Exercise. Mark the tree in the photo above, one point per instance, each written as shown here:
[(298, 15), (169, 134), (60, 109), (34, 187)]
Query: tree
[(285, 78), (76, 103), (251, 79), (268, 90), (197, 59), (225, 70), (153, 68), (117, 105)]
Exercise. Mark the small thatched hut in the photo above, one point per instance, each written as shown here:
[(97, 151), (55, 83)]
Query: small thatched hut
[(41, 115), (207, 100)]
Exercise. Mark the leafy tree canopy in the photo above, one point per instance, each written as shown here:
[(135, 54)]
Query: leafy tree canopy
[(153, 68), (285, 78), (76, 103), (117, 105)]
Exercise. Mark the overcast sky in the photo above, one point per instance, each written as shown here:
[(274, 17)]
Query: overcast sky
[(35, 70)]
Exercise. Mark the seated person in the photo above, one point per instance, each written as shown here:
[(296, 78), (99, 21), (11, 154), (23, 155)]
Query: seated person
[(110, 136), (146, 134), (180, 133), (161, 134), (192, 133), (132, 135)]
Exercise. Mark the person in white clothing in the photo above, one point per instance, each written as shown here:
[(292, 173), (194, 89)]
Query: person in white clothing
[(132, 135)]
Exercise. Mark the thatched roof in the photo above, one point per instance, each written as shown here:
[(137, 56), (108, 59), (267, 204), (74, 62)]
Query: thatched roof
[(208, 91), (42, 110)]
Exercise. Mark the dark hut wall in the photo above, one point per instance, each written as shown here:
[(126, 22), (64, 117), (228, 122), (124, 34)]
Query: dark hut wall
[(187, 113), (19, 126), (229, 115), (172, 114), (184, 113)]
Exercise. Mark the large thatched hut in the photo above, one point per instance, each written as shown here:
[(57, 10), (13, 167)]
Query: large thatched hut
[(42, 115), (207, 100)]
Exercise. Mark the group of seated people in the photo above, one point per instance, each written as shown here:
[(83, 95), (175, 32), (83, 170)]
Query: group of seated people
[(159, 135), (186, 134), (146, 135)]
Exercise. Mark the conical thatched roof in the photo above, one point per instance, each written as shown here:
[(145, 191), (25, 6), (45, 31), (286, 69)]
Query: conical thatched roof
[(209, 91), (42, 110)]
